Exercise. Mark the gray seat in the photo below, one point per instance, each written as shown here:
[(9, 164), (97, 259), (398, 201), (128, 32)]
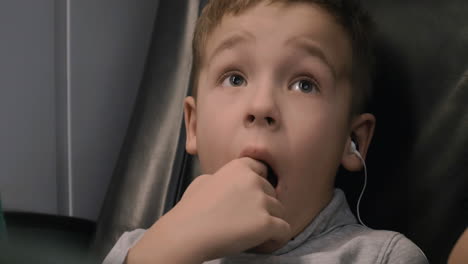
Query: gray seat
[(43, 238)]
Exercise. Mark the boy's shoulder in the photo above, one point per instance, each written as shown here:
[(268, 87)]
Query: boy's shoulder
[(347, 244), (361, 245), (335, 234)]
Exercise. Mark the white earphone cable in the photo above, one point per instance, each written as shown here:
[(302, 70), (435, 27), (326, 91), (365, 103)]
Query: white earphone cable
[(363, 189), (362, 193)]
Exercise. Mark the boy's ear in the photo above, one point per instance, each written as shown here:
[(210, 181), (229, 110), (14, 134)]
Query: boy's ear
[(190, 117), (362, 130)]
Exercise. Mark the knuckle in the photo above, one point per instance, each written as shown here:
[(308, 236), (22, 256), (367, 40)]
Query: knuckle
[(265, 221), (236, 162), (261, 200), (286, 227), (251, 179), (199, 179)]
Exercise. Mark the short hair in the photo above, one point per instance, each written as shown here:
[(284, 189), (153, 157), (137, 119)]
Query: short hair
[(348, 13)]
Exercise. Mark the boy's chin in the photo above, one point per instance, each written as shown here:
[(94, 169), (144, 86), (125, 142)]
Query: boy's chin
[(266, 248)]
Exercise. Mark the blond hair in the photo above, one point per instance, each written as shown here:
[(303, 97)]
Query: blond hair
[(348, 13)]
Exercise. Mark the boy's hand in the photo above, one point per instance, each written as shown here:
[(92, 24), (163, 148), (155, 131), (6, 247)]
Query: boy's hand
[(226, 213)]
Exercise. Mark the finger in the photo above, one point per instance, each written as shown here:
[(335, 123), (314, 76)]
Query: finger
[(256, 166), (280, 230), (267, 187), (274, 207)]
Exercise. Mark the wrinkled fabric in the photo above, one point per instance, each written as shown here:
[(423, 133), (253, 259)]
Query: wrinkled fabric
[(334, 236)]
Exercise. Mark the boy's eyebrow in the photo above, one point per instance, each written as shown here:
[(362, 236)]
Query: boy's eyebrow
[(311, 48), (231, 41)]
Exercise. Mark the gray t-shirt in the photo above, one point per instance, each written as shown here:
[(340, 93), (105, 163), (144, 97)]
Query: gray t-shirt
[(332, 237)]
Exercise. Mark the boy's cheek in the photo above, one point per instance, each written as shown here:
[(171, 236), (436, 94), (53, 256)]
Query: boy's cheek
[(211, 159)]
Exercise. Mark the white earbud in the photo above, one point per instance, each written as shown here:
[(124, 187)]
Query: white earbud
[(354, 149)]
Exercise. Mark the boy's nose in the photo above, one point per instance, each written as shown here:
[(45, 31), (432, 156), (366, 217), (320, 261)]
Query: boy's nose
[(253, 120), (262, 110)]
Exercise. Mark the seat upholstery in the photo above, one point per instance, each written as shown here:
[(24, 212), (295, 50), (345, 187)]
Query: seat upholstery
[(147, 177), (418, 182), (418, 159)]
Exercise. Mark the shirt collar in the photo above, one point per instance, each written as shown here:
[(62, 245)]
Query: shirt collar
[(335, 214)]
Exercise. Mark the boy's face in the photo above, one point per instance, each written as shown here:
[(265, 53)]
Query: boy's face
[(274, 86)]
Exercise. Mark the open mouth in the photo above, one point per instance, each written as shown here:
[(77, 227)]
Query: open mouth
[(272, 178)]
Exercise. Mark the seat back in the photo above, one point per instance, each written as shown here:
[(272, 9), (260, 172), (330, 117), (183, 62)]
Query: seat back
[(149, 172), (418, 161)]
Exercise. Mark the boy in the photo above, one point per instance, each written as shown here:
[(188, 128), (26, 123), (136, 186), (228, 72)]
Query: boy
[(280, 86)]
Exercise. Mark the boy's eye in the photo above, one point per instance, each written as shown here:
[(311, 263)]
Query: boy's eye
[(305, 86), (234, 80)]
